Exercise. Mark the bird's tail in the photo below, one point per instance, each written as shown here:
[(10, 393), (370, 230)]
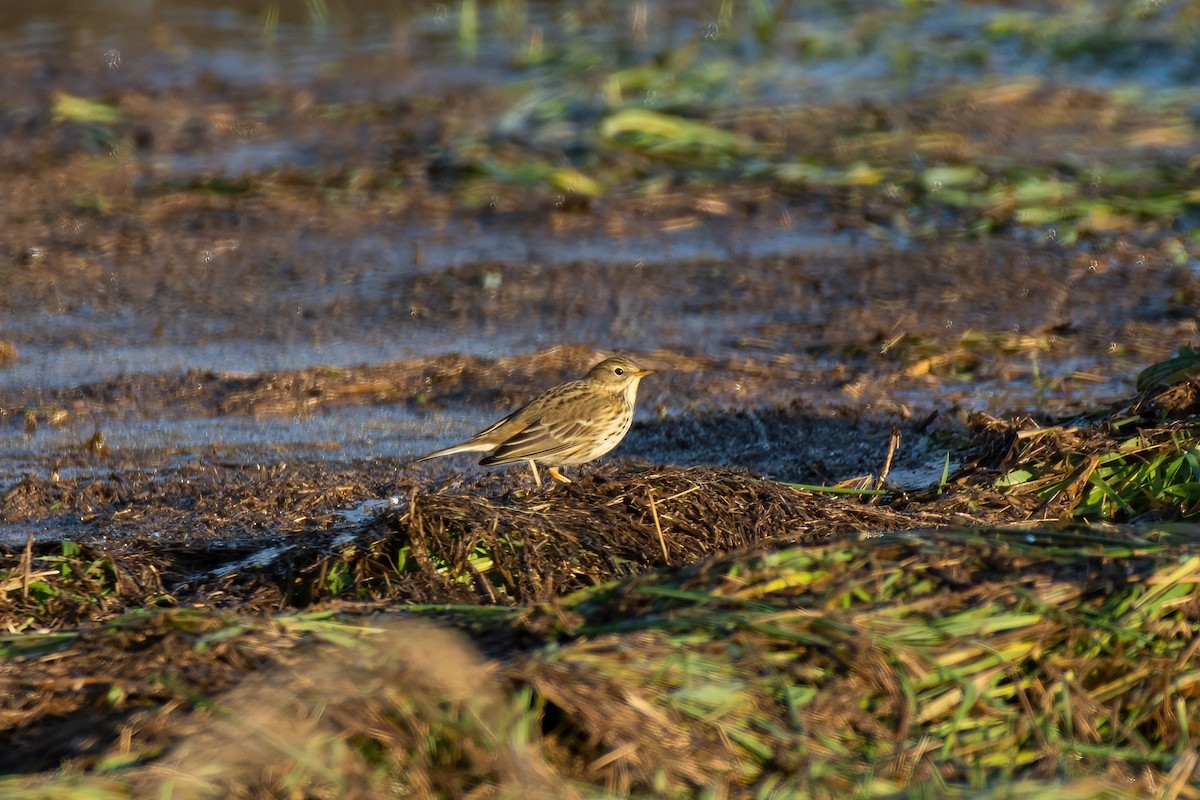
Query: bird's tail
[(466, 447)]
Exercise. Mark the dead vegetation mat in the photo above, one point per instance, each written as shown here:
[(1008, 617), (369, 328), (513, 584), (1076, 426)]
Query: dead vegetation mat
[(498, 541)]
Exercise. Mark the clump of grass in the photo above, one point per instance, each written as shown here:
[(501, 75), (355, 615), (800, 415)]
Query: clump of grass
[(1152, 473), (942, 660), (670, 137), (94, 119), (1183, 368), (1140, 461), (395, 709), (63, 584), (521, 548)]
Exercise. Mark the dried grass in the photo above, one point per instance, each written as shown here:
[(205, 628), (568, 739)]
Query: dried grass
[(501, 543)]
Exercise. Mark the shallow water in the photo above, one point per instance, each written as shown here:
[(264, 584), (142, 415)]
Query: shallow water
[(380, 257)]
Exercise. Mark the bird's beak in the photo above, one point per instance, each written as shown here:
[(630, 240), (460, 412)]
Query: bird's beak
[(641, 373)]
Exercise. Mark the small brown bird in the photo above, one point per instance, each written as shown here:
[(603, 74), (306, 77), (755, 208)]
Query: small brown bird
[(574, 423)]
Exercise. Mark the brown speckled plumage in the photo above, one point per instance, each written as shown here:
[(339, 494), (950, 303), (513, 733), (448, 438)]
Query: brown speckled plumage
[(570, 424)]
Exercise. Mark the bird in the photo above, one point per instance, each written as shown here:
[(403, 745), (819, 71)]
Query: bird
[(573, 423)]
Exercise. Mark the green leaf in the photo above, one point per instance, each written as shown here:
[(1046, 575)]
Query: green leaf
[(1175, 370), (1013, 478), (70, 108)]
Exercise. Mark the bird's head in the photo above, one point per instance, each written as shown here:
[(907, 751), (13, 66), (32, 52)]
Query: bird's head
[(617, 374)]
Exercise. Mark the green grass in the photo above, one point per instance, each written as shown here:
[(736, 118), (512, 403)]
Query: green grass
[(1139, 460), (1001, 679), (1156, 472)]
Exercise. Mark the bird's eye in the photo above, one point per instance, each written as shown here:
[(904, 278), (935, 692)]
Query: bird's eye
[(619, 370)]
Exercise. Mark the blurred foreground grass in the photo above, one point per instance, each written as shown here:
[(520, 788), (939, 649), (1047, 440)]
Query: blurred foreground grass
[(967, 663)]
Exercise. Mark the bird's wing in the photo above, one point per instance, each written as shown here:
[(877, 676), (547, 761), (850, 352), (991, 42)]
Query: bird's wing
[(545, 437), (551, 423)]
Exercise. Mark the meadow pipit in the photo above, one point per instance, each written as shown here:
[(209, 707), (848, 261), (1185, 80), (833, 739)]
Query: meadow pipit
[(571, 424)]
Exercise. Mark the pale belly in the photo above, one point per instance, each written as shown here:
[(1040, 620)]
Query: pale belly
[(596, 446)]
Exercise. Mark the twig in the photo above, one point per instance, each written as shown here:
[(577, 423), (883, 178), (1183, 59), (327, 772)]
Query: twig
[(893, 443), (654, 514), (1177, 779), (26, 566), (812, 487), (677, 495)]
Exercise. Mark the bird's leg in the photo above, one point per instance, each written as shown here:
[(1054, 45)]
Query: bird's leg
[(554, 473), (537, 478)]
